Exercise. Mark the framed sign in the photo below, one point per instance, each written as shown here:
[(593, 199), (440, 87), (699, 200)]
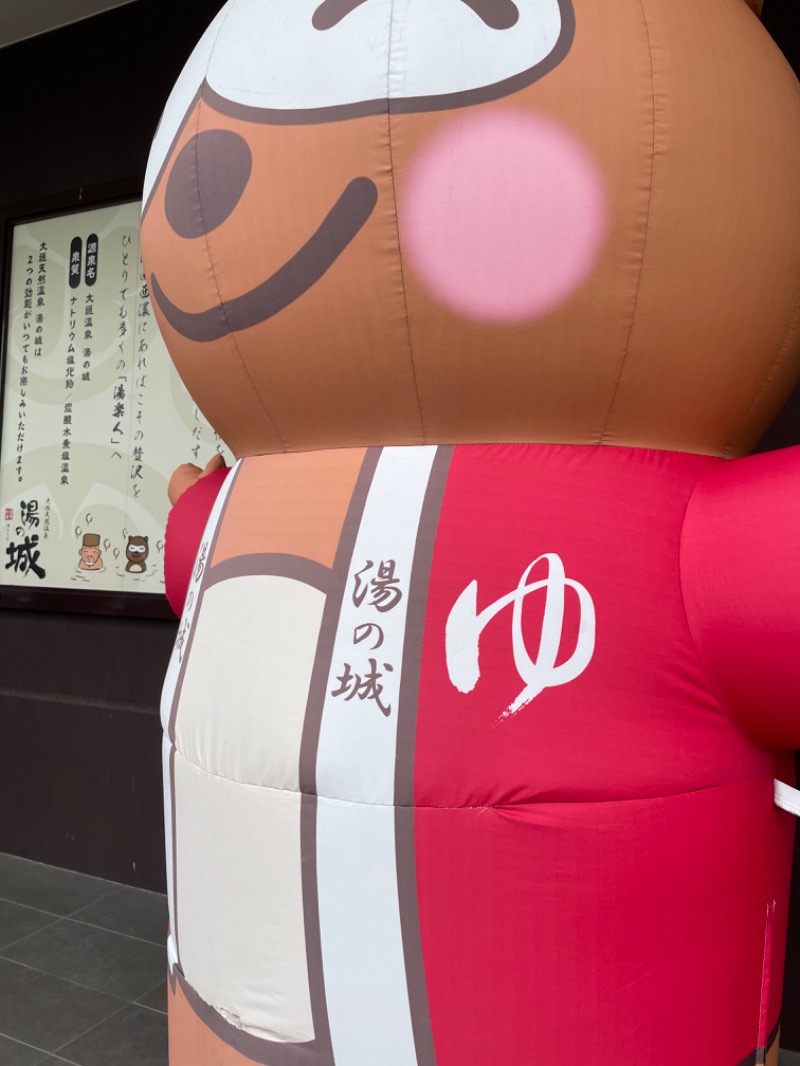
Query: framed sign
[(94, 418)]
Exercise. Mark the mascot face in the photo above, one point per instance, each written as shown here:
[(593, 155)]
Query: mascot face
[(377, 222)]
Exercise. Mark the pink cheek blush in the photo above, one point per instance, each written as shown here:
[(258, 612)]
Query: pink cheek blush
[(502, 215)]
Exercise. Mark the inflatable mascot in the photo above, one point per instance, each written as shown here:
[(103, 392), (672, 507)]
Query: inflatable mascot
[(490, 643)]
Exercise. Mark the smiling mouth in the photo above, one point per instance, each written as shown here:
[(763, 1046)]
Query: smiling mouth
[(288, 283)]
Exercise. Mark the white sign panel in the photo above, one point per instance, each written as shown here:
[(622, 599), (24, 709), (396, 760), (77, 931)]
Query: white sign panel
[(94, 418)]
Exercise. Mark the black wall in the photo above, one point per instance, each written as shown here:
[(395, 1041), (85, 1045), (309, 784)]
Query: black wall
[(81, 104), (80, 736)]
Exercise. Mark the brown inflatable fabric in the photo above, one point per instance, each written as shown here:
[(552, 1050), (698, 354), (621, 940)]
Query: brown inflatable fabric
[(675, 340)]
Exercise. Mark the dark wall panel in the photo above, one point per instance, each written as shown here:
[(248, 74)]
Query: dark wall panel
[(80, 755), (69, 657), (780, 18), (80, 736), (80, 787), (81, 104), (790, 1029)]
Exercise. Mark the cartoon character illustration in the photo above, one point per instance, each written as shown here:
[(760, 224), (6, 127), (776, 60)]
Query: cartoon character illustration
[(486, 665), (136, 552), (91, 558)]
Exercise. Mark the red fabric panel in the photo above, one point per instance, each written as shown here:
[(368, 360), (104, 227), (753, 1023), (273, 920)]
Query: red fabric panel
[(602, 933), (783, 848), (641, 719), (185, 526), (741, 573), (594, 871)]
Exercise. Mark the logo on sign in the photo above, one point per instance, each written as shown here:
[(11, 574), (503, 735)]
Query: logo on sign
[(465, 625)]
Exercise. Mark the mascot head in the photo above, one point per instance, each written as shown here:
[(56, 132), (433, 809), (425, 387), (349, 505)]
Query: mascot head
[(421, 221)]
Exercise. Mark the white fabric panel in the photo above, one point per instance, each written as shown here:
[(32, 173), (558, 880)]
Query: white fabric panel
[(356, 756), (441, 46), (243, 701), (172, 953), (192, 600), (270, 55), (362, 949), (787, 798), (166, 750), (240, 902)]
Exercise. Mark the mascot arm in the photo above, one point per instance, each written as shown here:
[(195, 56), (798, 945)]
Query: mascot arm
[(740, 567), (185, 525)]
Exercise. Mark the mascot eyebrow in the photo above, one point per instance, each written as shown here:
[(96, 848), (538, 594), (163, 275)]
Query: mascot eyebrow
[(497, 14)]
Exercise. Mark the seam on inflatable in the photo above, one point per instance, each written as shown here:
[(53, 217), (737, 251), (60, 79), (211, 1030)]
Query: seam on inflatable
[(470, 806), (626, 353), (762, 1018), (763, 994), (712, 687), (231, 335), (397, 220), (170, 730), (228, 486)]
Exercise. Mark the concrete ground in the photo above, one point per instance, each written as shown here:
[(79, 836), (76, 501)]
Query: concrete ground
[(82, 970)]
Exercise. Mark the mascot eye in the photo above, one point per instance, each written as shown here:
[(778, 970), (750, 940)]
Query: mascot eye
[(497, 14), (226, 163), (331, 12), (271, 58)]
